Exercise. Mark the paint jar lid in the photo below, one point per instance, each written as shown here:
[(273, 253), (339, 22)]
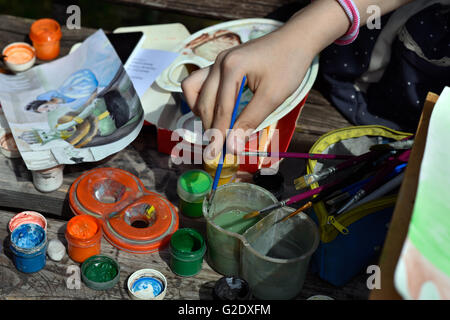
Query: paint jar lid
[(194, 185), (192, 129), (19, 53), (187, 244), (45, 30), (27, 217), (83, 227), (147, 284), (28, 237), (231, 288), (100, 272)]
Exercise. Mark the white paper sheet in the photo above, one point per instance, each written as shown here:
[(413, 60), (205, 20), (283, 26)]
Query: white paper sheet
[(79, 108), (146, 65)]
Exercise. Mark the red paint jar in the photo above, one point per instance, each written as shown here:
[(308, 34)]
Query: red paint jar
[(46, 35), (83, 235)]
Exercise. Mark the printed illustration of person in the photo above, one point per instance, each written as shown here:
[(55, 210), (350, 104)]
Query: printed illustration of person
[(89, 113)]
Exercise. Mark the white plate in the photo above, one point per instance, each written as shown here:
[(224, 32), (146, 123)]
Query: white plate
[(199, 55)]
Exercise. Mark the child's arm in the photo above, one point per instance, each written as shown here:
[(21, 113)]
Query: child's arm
[(274, 65)]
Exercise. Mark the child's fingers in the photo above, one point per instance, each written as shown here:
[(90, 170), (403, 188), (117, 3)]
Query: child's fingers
[(226, 99), (207, 98), (192, 86)]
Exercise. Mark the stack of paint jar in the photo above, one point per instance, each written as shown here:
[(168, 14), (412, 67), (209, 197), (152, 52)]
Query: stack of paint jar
[(28, 241), (83, 234)]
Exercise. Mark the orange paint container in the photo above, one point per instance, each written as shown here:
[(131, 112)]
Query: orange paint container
[(133, 218), (46, 35), (83, 235), (19, 56)]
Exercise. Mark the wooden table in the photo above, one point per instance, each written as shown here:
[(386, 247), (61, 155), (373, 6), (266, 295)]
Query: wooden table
[(158, 174)]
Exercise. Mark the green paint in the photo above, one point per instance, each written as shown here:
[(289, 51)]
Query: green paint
[(192, 187), (100, 271), (186, 240), (192, 209), (196, 182), (234, 221), (187, 249)]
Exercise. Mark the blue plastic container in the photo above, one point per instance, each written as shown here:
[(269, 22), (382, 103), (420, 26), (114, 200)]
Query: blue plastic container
[(28, 243)]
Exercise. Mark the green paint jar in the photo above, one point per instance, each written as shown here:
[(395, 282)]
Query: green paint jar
[(192, 187), (187, 248), (100, 272)]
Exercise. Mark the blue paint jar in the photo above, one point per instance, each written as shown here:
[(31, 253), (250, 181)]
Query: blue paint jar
[(28, 243)]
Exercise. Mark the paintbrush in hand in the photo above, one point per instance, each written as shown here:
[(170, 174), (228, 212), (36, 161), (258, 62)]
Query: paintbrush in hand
[(224, 149)]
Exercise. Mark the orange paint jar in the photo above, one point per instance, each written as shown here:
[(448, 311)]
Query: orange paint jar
[(83, 235), (46, 34)]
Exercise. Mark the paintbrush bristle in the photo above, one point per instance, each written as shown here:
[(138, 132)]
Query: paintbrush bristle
[(300, 183), (251, 215)]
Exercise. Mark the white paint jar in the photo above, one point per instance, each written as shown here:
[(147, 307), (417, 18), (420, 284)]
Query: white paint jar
[(48, 180)]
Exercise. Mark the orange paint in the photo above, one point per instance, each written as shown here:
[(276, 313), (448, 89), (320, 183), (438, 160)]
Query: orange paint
[(19, 54), (83, 235), (46, 34)]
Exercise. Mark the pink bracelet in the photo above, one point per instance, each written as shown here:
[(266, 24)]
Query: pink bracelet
[(353, 14)]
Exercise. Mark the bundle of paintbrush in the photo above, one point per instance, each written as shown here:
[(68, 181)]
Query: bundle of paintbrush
[(375, 173), (335, 189), (320, 192)]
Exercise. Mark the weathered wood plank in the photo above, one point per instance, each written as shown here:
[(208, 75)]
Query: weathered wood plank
[(140, 158), (50, 282), (217, 9)]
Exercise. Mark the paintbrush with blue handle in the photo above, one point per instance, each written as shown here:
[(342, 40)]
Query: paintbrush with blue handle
[(224, 149)]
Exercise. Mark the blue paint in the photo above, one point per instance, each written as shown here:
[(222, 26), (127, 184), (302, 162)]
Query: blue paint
[(148, 285), (29, 245), (28, 236)]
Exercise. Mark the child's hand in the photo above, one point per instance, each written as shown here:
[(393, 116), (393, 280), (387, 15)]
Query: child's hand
[(274, 69), (274, 65)]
